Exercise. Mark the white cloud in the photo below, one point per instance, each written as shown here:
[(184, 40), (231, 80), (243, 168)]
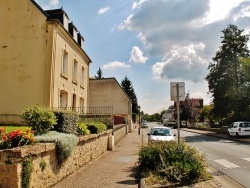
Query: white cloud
[(126, 24), (137, 4), (103, 10), (185, 37), (114, 65), (54, 2), (181, 63), (136, 55)]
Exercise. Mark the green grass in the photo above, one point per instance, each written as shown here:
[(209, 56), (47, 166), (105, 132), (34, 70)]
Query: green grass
[(13, 128)]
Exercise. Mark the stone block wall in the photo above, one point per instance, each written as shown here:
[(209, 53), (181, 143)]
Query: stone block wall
[(88, 148), (119, 132)]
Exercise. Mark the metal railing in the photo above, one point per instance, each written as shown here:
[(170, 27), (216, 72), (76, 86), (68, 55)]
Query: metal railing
[(95, 110)]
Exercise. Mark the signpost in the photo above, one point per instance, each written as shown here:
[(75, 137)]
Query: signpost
[(177, 90)]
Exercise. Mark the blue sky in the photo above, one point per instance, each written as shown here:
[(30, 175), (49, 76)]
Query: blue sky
[(154, 42)]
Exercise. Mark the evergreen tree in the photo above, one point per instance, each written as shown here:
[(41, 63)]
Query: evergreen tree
[(99, 74), (127, 86), (225, 77)]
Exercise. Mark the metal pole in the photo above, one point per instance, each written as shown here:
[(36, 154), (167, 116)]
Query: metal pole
[(178, 112), (139, 127)]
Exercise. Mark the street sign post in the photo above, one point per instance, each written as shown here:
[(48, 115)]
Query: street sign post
[(177, 90)]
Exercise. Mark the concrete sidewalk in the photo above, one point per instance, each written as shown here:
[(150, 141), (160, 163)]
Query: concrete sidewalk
[(114, 169)]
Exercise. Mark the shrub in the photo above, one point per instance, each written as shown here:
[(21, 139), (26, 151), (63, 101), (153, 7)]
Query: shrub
[(82, 129), (40, 119), (173, 162), (66, 122), (107, 120), (65, 143), (26, 172), (96, 127), (15, 138)]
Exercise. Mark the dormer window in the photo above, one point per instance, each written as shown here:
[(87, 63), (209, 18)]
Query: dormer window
[(60, 15), (80, 40), (73, 31)]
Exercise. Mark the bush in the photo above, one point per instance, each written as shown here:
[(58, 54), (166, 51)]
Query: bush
[(96, 127), (65, 143), (40, 119), (107, 120), (83, 129), (66, 122), (15, 138), (173, 162)]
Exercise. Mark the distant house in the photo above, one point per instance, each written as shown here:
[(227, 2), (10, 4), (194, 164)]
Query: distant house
[(107, 97), (169, 114)]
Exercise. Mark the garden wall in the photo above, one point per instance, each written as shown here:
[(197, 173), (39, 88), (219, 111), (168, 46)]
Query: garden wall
[(46, 169), (119, 132)]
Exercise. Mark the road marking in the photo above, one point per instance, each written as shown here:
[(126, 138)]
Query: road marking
[(226, 163), (247, 159)]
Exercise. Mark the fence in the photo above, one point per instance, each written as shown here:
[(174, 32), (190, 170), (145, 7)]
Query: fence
[(95, 110)]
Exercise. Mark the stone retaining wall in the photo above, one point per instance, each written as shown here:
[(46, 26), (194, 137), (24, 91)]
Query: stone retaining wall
[(88, 148), (119, 132)]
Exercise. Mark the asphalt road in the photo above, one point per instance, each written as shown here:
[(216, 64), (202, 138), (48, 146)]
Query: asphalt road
[(229, 157)]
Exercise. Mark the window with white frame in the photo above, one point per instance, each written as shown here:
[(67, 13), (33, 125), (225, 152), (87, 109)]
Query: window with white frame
[(82, 77), (75, 65), (65, 63)]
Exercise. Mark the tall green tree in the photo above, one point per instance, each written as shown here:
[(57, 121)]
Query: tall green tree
[(225, 76), (99, 74), (127, 86)]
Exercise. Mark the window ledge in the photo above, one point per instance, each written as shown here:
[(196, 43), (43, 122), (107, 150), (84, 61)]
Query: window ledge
[(82, 86), (64, 76), (75, 82)]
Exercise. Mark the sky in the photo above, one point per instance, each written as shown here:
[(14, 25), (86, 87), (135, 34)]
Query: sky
[(154, 42)]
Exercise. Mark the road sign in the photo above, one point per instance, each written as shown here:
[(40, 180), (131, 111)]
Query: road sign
[(174, 86), (177, 94)]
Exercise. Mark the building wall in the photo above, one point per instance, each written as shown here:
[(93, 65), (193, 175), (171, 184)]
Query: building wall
[(22, 56), (65, 82), (107, 92), (31, 58)]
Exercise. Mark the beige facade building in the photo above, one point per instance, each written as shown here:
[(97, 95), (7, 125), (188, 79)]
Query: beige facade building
[(107, 97), (42, 59)]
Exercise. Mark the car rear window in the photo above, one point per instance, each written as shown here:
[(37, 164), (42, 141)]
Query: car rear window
[(161, 132), (245, 125)]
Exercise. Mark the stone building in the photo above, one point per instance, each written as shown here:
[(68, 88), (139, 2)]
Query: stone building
[(107, 97)]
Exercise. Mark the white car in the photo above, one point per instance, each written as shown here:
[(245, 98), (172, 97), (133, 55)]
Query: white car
[(144, 124), (160, 134), (240, 128)]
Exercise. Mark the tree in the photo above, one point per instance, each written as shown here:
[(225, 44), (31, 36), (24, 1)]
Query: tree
[(225, 76), (99, 74), (188, 112), (127, 86)]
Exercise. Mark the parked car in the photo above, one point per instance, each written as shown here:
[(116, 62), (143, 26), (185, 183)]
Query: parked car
[(240, 128), (144, 124), (160, 134)]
